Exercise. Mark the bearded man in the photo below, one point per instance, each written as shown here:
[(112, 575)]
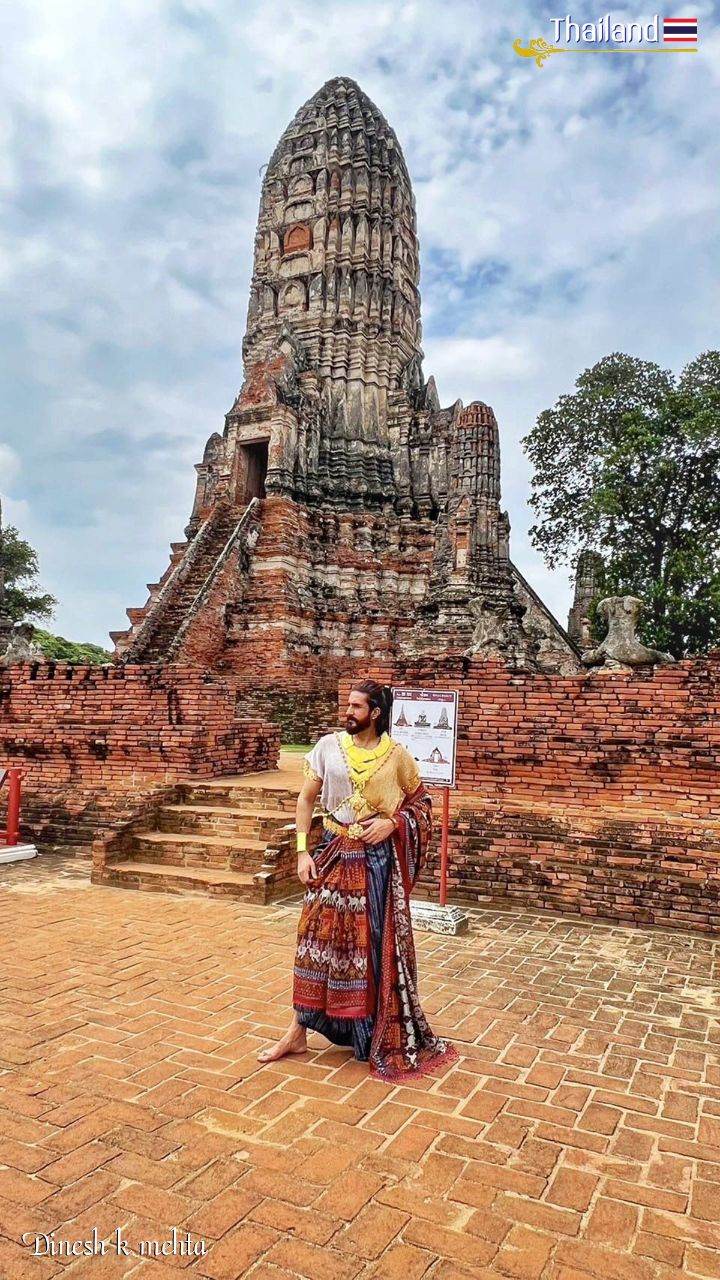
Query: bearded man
[(355, 971)]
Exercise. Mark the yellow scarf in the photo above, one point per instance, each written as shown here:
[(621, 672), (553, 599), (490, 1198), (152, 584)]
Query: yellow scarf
[(362, 762)]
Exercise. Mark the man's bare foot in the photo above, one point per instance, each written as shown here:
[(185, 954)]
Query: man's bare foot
[(292, 1042)]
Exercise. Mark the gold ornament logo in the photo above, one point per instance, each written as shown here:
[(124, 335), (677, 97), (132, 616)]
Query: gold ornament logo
[(538, 49)]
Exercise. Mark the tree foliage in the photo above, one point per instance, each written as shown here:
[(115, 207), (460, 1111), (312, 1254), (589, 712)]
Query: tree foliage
[(63, 650), (24, 599), (629, 465)]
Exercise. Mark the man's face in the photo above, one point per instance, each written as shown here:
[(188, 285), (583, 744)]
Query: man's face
[(357, 713)]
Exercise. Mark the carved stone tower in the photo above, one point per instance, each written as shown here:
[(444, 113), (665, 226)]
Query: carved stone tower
[(342, 514), (588, 580), (336, 263)]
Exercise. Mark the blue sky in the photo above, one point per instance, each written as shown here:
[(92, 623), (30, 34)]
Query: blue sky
[(564, 212)]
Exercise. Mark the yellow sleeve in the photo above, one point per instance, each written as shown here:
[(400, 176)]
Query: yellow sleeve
[(313, 763), (309, 772), (408, 774)]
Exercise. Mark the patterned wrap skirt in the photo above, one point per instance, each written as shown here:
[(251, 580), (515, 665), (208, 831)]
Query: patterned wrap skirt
[(355, 972), (356, 1033)]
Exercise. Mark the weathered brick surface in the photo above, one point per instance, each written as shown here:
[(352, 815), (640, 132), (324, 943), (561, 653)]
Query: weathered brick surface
[(130, 1096), (299, 628), (98, 744), (596, 793)]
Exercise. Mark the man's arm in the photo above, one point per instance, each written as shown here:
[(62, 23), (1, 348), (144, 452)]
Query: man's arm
[(309, 792)]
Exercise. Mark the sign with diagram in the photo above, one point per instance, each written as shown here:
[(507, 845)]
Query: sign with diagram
[(425, 722)]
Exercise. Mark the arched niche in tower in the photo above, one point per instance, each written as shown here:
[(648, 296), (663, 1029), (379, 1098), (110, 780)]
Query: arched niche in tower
[(293, 297), (333, 236), (348, 234), (254, 305), (361, 294), (300, 185), (297, 239), (317, 290)]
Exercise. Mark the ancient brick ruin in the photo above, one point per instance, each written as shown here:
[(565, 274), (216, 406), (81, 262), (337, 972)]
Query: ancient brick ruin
[(98, 744), (343, 514)]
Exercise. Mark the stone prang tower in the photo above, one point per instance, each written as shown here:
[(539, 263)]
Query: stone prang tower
[(343, 515)]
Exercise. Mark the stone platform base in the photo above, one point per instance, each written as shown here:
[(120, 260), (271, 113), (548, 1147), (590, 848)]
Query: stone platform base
[(17, 852), (437, 919)]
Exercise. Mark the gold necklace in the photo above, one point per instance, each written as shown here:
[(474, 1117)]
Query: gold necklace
[(362, 760)]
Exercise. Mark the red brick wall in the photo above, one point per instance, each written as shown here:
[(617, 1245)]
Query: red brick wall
[(596, 794), (95, 742)]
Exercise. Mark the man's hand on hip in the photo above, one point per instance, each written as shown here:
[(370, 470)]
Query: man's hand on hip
[(377, 829)]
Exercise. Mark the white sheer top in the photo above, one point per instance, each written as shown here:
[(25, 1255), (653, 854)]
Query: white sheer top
[(396, 776)]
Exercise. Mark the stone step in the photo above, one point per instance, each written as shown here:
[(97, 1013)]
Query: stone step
[(223, 819), (131, 874), (186, 849), (233, 795), (236, 810)]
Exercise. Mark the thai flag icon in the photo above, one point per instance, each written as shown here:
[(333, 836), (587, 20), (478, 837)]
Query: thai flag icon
[(680, 30)]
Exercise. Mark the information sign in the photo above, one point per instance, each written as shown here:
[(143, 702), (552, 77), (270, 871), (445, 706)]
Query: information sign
[(425, 722)]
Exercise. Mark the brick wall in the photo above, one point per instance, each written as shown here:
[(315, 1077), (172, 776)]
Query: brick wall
[(596, 794), (96, 743)]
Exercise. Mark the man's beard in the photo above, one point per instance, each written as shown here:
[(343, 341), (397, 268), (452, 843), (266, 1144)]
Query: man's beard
[(353, 726)]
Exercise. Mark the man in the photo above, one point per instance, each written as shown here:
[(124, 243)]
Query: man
[(355, 972)]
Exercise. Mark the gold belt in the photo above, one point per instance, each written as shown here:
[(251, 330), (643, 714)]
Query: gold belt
[(353, 829)]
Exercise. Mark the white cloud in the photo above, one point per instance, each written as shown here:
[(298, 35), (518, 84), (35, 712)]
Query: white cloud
[(9, 466), (474, 361), (550, 206)]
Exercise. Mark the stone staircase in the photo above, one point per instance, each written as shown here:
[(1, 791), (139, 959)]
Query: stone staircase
[(155, 626), (232, 836)]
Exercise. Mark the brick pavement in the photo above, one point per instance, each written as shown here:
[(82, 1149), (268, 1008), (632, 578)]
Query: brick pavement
[(578, 1136)]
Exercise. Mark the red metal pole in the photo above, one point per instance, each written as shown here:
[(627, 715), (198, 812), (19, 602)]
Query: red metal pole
[(444, 845), (13, 808)]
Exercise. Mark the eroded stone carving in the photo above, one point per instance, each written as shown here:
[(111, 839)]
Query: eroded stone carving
[(621, 647), (16, 643)]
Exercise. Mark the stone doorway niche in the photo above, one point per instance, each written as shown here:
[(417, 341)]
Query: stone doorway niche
[(254, 465)]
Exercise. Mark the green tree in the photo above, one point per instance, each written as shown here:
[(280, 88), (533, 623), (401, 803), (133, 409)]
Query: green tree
[(629, 465), (63, 650), (22, 598)]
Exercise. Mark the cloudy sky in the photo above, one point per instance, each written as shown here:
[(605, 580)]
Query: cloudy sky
[(564, 212)]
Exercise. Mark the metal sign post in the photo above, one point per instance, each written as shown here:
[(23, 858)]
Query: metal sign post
[(444, 845)]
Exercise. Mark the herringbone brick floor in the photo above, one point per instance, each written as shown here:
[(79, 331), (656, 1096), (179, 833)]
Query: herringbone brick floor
[(578, 1136)]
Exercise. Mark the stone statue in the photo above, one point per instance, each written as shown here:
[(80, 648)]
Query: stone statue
[(16, 645), (621, 646)]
